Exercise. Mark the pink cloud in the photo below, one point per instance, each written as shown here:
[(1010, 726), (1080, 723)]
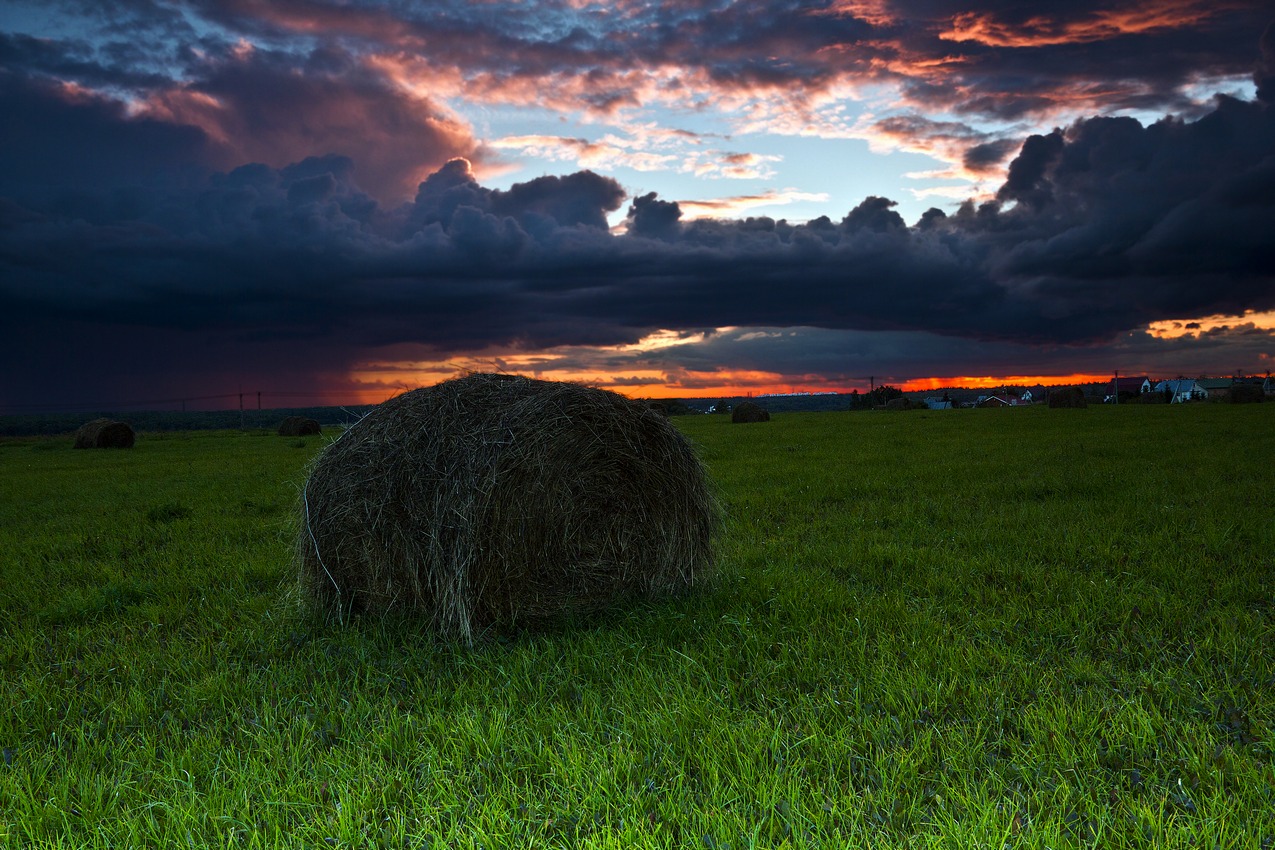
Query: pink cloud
[(260, 108)]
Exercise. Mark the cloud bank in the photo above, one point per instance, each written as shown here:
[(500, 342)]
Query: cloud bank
[(1100, 228), (273, 193)]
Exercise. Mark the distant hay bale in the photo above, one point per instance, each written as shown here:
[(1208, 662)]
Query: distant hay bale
[(502, 501), (299, 426), (104, 434), (748, 411), (1067, 397), (86, 434)]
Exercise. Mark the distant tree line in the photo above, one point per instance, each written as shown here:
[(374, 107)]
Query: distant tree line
[(877, 397), (28, 425)]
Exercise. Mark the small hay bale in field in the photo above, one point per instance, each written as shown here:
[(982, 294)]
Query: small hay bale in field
[(748, 411), (299, 426), (104, 434), (1067, 397), (498, 501)]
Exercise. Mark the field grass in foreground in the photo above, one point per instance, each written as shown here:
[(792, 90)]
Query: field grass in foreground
[(1020, 628)]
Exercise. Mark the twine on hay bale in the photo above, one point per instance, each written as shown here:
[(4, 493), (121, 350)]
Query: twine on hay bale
[(299, 426), (104, 434), (497, 501), (749, 411)]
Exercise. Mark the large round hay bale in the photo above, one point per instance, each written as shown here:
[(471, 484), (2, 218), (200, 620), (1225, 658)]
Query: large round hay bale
[(104, 434), (749, 411), (299, 426), (1067, 397), (496, 501)]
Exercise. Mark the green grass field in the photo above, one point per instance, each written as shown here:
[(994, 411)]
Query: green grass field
[(997, 629)]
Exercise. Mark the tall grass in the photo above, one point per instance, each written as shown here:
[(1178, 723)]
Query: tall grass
[(1019, 628)]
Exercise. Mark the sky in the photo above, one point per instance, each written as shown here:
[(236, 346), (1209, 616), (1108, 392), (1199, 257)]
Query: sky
[(334, 201)]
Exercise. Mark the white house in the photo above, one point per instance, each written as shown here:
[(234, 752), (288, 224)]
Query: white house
[(1182, 389)]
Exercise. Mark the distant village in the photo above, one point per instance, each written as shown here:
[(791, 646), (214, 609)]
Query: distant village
[(1138, 389)]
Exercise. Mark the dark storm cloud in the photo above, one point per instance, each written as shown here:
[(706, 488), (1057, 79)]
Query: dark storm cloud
[(1116, 225), (119, 65), (653, 218), (1025, 181), (62, 144), (539, 205), (1264, 75), (986, 156)]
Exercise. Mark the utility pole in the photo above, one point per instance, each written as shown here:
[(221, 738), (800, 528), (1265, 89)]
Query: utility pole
[(1115, 386)]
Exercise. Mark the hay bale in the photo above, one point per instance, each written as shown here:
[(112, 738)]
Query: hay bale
[(1067, 397), (104, 434), (86, 434), (748, 411), (299, 426), (499, 501)]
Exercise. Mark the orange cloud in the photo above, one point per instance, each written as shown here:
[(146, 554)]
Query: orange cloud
[(312, 18), (1104, 24), (725, 207), (1174, 328), (874, 12)]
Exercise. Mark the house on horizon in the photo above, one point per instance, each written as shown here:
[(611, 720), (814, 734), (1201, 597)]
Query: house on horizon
[(1130, 386), (1001, 400), (1182, 390), (1216, 388)]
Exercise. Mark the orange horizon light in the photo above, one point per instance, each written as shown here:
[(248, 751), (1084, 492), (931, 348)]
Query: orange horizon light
[(735, 384)]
